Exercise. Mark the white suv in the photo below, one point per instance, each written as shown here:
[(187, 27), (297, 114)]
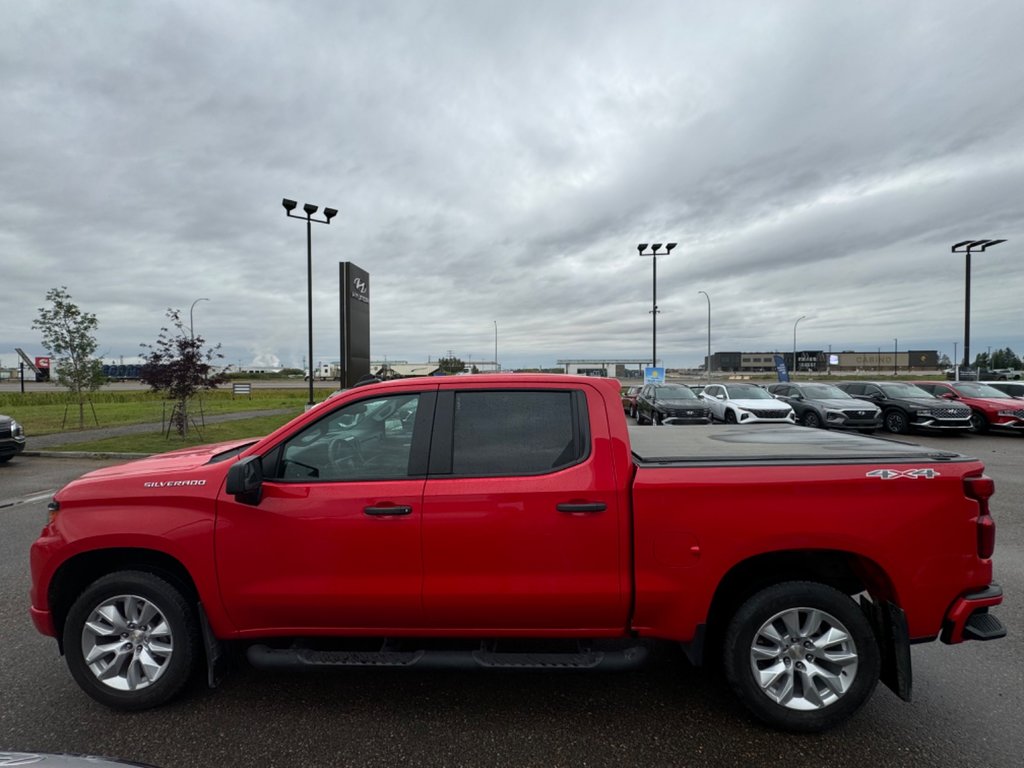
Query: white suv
[(745, 403)]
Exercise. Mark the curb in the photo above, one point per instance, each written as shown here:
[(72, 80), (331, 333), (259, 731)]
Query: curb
[(85, 455)]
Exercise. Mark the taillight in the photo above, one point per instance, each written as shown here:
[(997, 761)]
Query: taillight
[(980, 489)]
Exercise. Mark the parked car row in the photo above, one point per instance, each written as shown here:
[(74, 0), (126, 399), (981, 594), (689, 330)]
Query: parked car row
[(866, 406)]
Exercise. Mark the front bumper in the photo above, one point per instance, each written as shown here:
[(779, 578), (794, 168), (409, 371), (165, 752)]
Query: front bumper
[(947, 425), (968, 618)]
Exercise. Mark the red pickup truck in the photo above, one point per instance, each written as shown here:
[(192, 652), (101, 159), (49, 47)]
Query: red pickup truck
[(516, 521)]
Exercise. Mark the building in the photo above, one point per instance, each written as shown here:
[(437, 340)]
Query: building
[(607, 368), (819, 361)]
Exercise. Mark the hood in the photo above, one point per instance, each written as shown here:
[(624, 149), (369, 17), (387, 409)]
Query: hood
[(931, 402), (1011, 403), (182, 460), (762, 405), (846, 405)]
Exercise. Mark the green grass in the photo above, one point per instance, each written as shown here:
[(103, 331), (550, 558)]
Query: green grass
[(156, 442), (45, 413)]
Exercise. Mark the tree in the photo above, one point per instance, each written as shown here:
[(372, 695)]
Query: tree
[(451, 364), (178, 366), (68, 336)]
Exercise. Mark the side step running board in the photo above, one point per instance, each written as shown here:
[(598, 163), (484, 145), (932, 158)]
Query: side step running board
[(298, 657)]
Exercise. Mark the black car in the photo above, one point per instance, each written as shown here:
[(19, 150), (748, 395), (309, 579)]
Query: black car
[(670, 404), (828, 407), (907, 406), (12, 438), (1011, 388)]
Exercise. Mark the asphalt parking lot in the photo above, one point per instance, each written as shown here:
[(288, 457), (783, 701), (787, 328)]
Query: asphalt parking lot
[(966, 711)]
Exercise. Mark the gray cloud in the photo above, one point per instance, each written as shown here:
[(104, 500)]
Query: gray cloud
[(496, 162)]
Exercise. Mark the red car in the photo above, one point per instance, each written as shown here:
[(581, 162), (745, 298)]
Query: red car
[(628, 396), (990, 408)]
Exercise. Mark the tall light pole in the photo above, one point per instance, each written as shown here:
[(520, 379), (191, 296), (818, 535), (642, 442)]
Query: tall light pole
[(802, 317), (707, 363), (968, 247), (654, 254), (497, 367), (329, 213), (895, 351), (191, 327)]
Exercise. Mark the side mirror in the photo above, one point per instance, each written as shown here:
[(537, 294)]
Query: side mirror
[(948, 396), (245, 480)]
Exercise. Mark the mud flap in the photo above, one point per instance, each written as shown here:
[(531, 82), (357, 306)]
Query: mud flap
[(216, 661), (890, 624)]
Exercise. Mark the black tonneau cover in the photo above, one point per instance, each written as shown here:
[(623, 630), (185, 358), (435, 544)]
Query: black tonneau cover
[(770, 444)]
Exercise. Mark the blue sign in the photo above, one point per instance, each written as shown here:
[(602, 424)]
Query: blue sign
[(780, 368), (654, 375)]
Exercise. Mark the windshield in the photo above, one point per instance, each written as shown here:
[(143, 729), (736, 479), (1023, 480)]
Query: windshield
[(747, 392), (673, 392), (978, 390), (903, 390), (824, 392)]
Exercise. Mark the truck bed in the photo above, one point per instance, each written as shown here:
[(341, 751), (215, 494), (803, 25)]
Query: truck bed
[(771, 444)]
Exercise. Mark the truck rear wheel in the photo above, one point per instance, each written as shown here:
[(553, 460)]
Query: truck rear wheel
[(801, 656), (130, 640)]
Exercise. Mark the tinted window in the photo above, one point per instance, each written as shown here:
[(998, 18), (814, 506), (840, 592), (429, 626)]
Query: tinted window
[(823, 392), (899, 389), (673, 392), (369, 440), (514, 433), (748, 392)]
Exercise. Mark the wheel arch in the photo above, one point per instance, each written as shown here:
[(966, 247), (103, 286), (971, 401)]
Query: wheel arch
[(847, 572), (77, 573)]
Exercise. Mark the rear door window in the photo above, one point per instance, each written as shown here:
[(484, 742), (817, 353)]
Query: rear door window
[(509, 433)]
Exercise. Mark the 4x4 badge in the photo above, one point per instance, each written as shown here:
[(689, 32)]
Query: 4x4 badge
[(890, 474)]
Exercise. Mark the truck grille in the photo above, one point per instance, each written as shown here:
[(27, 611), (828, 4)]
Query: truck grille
[(950, 413), (5, 433)]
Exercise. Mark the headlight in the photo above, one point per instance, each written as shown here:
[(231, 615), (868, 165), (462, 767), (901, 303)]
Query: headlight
[(16, 429), (924, 412), (1007, 413), (834, 415)]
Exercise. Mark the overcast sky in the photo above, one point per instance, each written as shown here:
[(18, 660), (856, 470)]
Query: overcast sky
[(497, 162)]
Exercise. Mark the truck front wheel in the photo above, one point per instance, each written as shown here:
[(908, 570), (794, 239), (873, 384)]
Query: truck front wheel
[(130, 640), (801, 656)]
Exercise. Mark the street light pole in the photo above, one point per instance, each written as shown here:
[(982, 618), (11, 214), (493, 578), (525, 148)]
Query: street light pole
[(707, 364), (895, 352), (497, 367), (967, 247), (329, 213), (803, 316), (654, 254), (191, 327)]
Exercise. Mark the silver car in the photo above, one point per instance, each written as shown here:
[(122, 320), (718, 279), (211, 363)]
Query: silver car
[(827, 407)]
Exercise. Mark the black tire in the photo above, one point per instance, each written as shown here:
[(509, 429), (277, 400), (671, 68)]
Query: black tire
[(730, 416), (896, 421), (655, 418), (811, 419), (5, 459), (810, 683), (979, 422), (639, 416), (163, 650)]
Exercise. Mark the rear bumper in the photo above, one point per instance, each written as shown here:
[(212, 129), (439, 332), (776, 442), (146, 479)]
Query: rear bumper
[(968, 618)]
